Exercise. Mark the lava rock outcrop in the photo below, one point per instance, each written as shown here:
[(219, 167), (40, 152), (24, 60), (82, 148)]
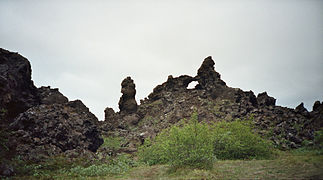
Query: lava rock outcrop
[(214, 101), (127, 102), (17, 90), (38, 123), (47, 130)]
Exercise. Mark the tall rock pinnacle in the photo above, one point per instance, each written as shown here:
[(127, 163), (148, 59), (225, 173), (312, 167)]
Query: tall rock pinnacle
[(127, 102), (207, 77)]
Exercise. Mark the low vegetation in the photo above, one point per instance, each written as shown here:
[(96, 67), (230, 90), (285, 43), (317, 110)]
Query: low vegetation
[(297, 164), (182, 145), (236, 140), (189, 150), (198, 145)]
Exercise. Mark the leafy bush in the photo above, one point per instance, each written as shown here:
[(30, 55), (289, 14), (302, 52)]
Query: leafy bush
[(197, 144), (236, 140), (187, 145)]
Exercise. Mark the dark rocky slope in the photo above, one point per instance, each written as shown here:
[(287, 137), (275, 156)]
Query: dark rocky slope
[(38, 123), (214, 101), (17, 91)]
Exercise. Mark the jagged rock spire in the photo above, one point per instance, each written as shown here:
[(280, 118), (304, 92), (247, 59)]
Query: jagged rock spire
[(207, 76), (127, 102)]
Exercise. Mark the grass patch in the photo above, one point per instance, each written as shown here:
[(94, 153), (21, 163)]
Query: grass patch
[(61, 168), (287, 165)]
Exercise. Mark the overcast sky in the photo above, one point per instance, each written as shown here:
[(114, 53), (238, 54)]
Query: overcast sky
[(86, 48)]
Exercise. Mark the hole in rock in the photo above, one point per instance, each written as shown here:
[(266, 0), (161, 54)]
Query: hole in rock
[(192, 85)]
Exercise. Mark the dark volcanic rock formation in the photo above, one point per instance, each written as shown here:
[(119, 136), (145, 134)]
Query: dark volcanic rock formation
[(51, 96), (171, 102), (264, 100), (47, 130), (17, 90), (127, 101), (42, 121), (207, 77)]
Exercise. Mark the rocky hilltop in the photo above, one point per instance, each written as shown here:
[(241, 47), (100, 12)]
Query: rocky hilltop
[(36, 123), (214, 101)]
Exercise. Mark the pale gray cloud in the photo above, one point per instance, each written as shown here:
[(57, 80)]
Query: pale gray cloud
[(86, 48)]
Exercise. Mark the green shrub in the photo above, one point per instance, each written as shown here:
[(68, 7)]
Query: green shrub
[(318, 138), (113, 143), (236, 140), (197, 144), (187, 145)]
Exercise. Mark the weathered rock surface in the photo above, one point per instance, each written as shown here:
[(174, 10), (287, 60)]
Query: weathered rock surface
[(42, 121), (51, 96), (264, 100), (47, 130), (127, 101), (17, 90)]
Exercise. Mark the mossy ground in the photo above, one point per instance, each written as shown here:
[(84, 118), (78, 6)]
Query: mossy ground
[(296, 164)]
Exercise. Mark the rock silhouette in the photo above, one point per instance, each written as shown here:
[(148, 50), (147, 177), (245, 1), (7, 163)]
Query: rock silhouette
[(127, 101), (17, 90)]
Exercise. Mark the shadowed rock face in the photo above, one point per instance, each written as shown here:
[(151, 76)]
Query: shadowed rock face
[(51, 96), (207, 77), (41, 122), (265, 100), (127, 102), (17, 90), (51, 129)]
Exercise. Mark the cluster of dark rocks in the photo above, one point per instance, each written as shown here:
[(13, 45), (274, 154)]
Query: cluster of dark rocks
[(214, 101), (36, 123)]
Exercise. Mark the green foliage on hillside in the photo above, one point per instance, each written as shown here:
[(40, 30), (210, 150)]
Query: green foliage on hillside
[(236, 140), (197, 144), (318, 139), (189, 145), (113, 143)]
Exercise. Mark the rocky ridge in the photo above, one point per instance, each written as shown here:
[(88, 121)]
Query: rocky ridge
[(42, 122), (214, 101)]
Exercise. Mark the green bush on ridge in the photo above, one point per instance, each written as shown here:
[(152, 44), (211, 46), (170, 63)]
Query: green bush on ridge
[(197, 144), (189, 145), (236, 140)]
